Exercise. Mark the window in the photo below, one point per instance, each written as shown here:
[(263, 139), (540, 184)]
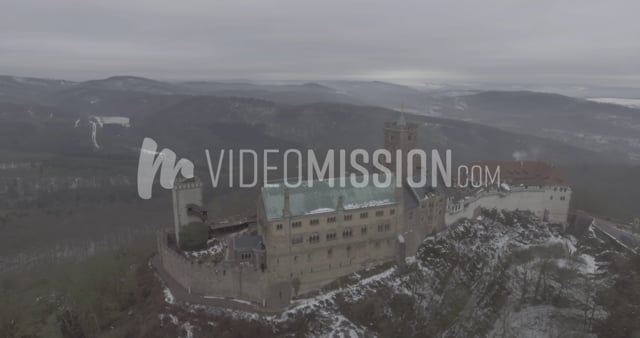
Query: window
[(347, 233), (384, 227), (380, 213), (331, 219), (315, 238), (551, 197), (296, 239), (245, 255), (331, 236), (296, 224), (314, 221), (364, 215), (329, 252), (392, 212), (562, 198), (279, 226), (363, 230), (348, 217)]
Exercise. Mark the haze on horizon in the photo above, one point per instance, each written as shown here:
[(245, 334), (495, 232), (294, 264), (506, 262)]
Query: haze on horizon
[(575, 41)]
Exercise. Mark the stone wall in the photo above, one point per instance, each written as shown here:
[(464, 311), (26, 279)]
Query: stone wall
[(548, 203), (240, 281), (359, 243), (425, 219), (183, 194)]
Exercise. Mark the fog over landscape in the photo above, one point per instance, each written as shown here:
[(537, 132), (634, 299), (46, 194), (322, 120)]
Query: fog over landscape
[(535, 84)]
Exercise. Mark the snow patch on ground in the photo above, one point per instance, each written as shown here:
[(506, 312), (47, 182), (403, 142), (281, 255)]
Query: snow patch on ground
[(188, 329), (168, 296), (172, 318), (116, 120), (631, 103), (215, 248), (590, 266), (100, 121)]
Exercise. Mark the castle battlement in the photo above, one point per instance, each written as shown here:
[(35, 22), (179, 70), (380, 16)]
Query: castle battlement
[(186, 184)]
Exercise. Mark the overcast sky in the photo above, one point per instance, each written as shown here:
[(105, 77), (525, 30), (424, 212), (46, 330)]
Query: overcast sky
[(555, 41)]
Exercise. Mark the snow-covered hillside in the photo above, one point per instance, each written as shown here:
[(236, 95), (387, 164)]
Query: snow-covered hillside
[(505, 275)]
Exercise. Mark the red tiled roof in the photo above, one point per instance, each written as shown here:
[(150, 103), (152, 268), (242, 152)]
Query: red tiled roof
[(526, 172)]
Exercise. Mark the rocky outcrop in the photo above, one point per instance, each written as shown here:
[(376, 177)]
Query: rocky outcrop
[(501, 275)]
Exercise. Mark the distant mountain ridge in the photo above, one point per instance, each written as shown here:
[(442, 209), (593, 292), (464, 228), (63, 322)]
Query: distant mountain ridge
[(575, 121)]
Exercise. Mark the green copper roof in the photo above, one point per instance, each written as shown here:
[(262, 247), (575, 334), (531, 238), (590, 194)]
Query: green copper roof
[(321, 197)]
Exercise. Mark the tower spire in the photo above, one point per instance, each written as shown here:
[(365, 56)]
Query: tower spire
[(401, 120)]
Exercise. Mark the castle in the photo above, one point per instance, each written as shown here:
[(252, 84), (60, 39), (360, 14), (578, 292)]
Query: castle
[(304, 238)]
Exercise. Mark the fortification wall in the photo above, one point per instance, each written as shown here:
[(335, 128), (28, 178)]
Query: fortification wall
[(545, 202), (222, 280), (423, 220), (316, 268)]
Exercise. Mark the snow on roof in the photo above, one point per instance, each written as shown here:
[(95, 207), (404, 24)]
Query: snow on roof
[(367, 204), (320, 211)]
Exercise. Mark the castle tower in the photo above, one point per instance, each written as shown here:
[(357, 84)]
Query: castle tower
[(400, 135), (187, 204)]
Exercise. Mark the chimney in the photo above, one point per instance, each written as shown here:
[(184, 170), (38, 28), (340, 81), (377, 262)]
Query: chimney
[(286, 209)]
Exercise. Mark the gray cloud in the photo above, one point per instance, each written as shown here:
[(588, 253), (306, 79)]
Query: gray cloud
[(552, 41)]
